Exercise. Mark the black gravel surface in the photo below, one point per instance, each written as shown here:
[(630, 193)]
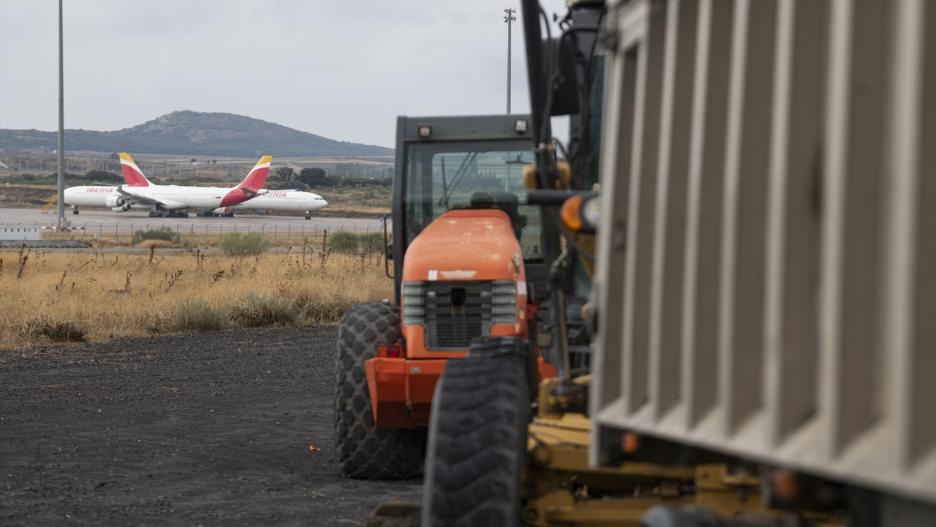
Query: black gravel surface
[(213, 428)]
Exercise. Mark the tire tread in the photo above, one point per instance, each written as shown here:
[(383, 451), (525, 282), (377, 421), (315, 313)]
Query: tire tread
[(364, 450)]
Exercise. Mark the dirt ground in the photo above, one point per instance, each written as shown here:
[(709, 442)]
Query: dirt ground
[(203, 429)]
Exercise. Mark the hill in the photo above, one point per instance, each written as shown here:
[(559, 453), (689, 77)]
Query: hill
[(195, 133)]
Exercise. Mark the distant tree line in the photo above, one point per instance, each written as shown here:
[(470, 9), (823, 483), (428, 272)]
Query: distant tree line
[(91, 177), (315, 178)]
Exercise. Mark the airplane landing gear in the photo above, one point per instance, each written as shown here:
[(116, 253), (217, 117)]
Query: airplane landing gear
[(159, 213), (308, 215), (75, 210)]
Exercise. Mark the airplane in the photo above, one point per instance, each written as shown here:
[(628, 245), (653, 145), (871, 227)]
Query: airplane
[(291, 200), (279, 200), (166, 200)]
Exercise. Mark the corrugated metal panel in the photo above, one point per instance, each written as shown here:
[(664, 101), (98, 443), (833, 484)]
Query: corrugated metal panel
[(767, 257)]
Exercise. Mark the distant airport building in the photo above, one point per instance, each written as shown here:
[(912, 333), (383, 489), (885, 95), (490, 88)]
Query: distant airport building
[(20, 232)]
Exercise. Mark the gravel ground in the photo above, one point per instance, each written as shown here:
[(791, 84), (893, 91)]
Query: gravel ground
[(201, 429)]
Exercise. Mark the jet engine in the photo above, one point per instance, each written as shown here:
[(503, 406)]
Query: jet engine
[(118, 204), (225, 212)]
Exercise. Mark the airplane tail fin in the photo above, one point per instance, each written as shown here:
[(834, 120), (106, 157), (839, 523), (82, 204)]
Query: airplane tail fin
[(132, 174), (257, 177)]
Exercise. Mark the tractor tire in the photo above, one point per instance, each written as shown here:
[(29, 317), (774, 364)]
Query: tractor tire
[(364, 450), (477, 443)]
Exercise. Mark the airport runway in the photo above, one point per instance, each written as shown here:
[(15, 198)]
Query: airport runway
[(122, 223)]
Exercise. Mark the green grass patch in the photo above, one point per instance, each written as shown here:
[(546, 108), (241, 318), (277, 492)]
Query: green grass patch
[(55, 330), (244, 244), (352, 243), (194, 314), (263, 310), (162, 233)]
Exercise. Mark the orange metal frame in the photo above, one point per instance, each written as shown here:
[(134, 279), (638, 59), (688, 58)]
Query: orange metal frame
[(401, 390), (478, 245)]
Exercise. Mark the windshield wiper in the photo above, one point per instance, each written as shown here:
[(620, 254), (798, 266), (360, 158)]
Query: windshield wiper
[(445, 194), (459, 174)]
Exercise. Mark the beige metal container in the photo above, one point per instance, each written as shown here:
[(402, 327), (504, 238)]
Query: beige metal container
[(767, 254)]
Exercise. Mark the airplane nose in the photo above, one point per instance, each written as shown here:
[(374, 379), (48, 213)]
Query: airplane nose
[(324, 203)]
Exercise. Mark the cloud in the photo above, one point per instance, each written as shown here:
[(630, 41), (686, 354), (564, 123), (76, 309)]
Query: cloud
[(339, 69)]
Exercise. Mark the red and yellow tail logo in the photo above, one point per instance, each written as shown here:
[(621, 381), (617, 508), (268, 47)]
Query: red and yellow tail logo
[(132, 174), (257, 176), (251, 185)]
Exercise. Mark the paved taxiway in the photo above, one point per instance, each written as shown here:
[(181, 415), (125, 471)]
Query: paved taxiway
[(113, 223)]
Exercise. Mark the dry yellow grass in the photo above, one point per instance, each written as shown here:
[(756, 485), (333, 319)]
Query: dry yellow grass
[(187, 240), (99, 296), (155, 244)]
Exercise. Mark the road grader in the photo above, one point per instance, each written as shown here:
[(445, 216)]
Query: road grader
[(728, 319)]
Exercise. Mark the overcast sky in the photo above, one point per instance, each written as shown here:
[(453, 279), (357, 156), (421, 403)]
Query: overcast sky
[(343, 70)]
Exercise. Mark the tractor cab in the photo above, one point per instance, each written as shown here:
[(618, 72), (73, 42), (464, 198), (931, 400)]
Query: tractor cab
[(460, 163), (462, 237), (468, 262)]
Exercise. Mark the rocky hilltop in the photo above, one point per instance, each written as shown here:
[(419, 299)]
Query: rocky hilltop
[(195, 133)]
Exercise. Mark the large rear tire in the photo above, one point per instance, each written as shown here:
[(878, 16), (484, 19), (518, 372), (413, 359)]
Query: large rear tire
[(364, 450), (477, 442)]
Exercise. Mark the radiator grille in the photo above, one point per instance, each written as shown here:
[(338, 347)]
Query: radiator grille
[(454, 313), (457, 312)]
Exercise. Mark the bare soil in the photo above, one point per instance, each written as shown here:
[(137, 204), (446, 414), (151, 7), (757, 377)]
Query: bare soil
[(25, 195), (201, 429)]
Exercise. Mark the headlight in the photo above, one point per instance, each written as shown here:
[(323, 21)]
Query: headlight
[(591, 213), (581, 213)]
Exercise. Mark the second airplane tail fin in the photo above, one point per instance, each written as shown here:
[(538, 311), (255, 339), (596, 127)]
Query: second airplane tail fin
[(132, 174), (257, 176)]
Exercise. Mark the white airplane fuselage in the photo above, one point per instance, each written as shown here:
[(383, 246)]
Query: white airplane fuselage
[(94, 196), (284, 200), (141, 193), (88, 195), (171, 196), (178, 197), (201, 198)]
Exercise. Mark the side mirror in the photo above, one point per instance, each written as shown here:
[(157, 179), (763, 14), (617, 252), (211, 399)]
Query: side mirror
[(388, 245), (565, 96)]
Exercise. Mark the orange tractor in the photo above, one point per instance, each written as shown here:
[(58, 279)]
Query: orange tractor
[(467, 264)]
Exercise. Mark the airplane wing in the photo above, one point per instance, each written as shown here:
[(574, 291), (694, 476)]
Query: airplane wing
[(253, 193), (146, 200)]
